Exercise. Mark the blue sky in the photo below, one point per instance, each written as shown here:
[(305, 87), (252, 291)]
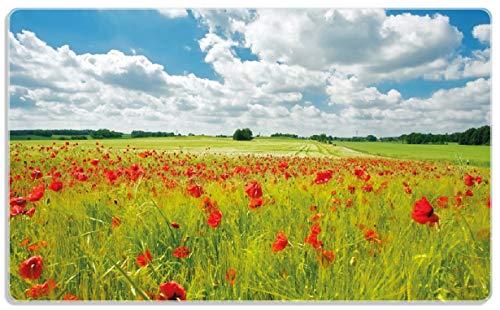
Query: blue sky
[(98, 31), (280, 73)]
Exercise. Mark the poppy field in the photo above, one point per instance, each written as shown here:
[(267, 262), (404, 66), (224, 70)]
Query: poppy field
[(126, 220)]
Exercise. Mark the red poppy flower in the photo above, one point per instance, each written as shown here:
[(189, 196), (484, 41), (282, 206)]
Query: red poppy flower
[(407, 190), (31, 268), (144, 259), (181, 252), (326, 258), (424, 213), (37, 193), (231, 276), (68, 296), (368, 188), (116, 221), (36, 173), (195, 190), (316, 217), (16, 210), (55, 186), (174, 224), (359, 173), (39, 290), (253, 189), (323, 177), (469, 180), (33, 248), (94, 162), (172, 291), (469, 193), (313, 237), (351, 189), (17, 201), (111, 175), (214, 218), (255, 203), (371, 235), (82, 177), (208, 205), (442, 201), (25, 242), (479, 180), (29, 212), (280, 243)]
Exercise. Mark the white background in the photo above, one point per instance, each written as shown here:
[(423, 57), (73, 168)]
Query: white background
[(6, 6)]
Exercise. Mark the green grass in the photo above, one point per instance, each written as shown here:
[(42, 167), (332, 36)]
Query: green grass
[(89, 258), (455, 153), (200, 144)]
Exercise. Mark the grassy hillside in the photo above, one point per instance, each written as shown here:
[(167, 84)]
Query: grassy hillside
[(477, 155), (458, 154)]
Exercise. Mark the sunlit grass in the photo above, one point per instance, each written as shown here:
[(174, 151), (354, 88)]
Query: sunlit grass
[(93, 260)]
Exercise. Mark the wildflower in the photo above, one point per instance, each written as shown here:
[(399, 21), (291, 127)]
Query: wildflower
[(172, 291), (55, 186), (231, 276), (181, 252), (195, 190), (323, 177), (39, 290), (442, 201), (31, 268), (214, 218), (37, 193), (253, 189), (424, 213), (255, 203), (144, 259), (116, 221), (280, 243), (469, 180)]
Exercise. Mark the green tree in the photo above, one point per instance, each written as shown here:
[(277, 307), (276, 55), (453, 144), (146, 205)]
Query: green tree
[(371, 138), (244, 134)]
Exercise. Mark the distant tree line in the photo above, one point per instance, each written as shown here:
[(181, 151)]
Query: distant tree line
[(284, 135), (51, 132), (106, 134), (147, 134), (73, 138), (369, 138), (322, 138), (472, 136)]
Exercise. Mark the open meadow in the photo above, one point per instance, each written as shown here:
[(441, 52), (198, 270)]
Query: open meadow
[(204, 218)]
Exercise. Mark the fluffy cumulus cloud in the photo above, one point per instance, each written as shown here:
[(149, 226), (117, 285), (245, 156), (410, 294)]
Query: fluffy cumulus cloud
[(482, 33), (315, 72), (173, 13)]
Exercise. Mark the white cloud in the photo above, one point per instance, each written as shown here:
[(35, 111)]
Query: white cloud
[(333, 54), (225, 20), (482, 33), (478, 65), (173, 13), (348, 91), (367, 43)]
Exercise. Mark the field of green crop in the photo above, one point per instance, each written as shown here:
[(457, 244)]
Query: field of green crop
[(258, 146), (458, 154), (201, 218)]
